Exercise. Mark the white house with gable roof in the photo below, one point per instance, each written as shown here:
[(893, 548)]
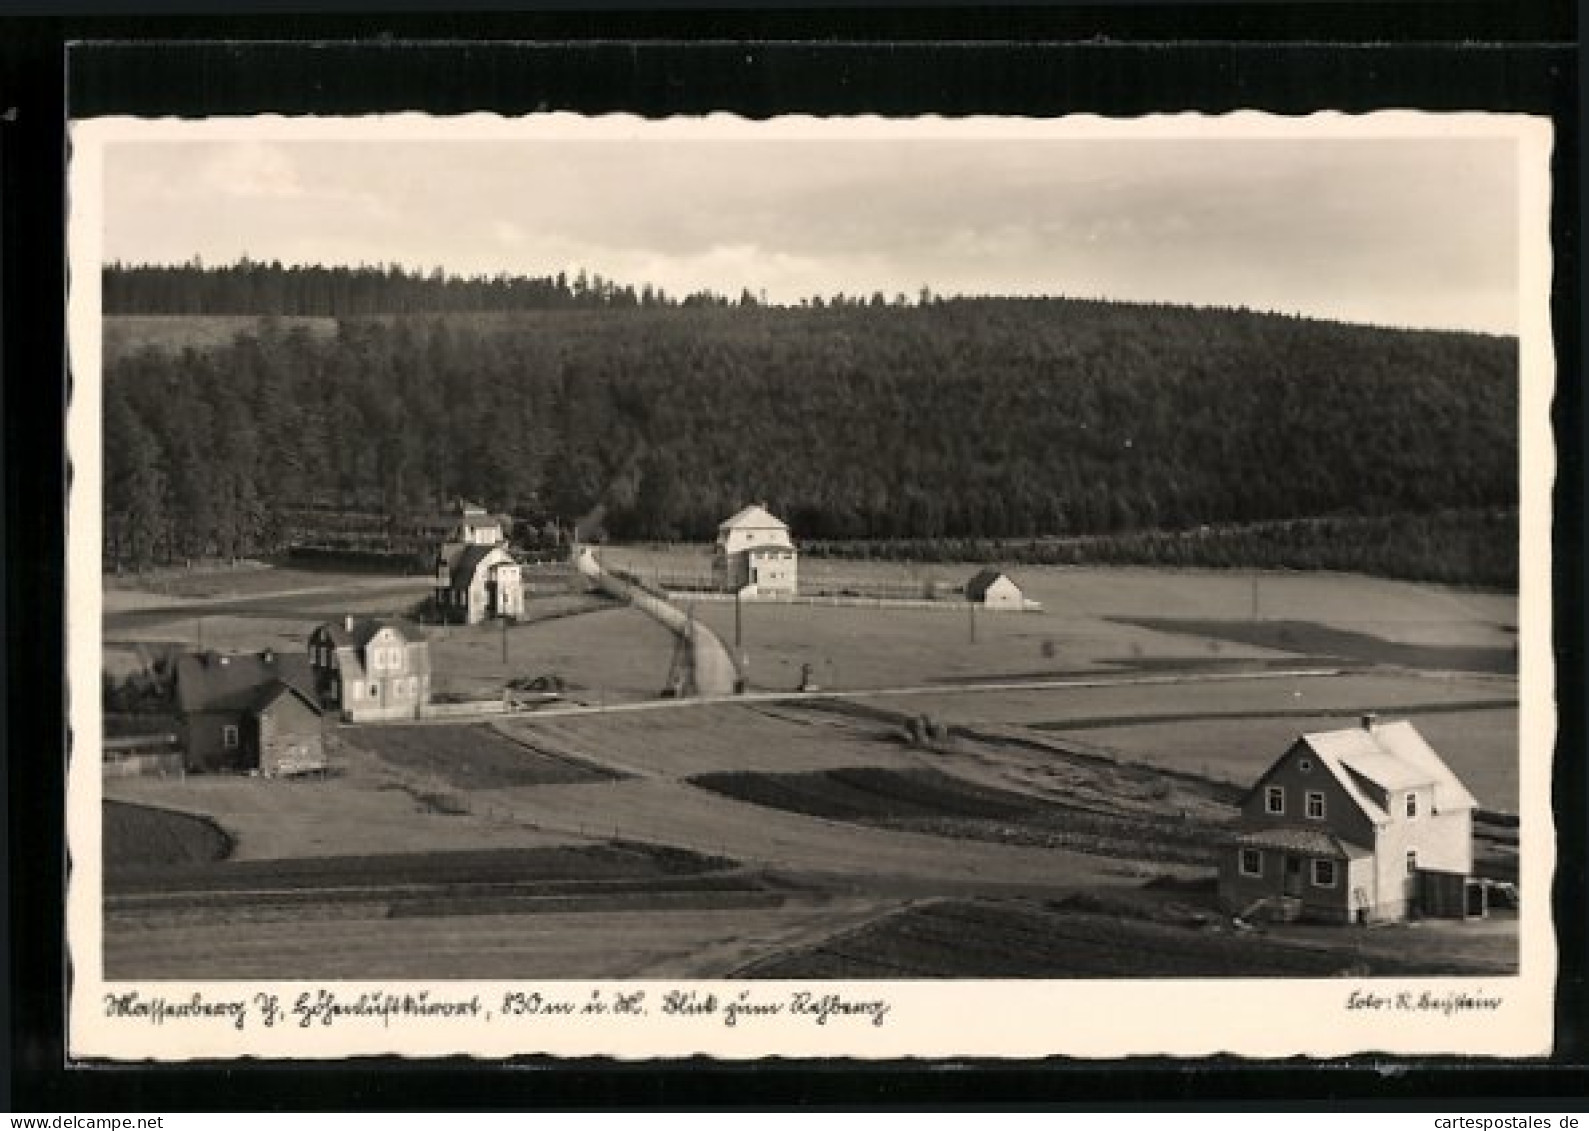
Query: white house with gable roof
[(1366, 824), (755, 555)]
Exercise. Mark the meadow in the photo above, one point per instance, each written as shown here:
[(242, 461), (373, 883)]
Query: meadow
[(827, 816)]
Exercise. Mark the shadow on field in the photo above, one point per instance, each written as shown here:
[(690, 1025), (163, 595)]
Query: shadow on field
[(1310, 639)]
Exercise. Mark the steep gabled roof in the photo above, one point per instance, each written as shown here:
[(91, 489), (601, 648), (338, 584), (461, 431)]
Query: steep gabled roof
[(469, 560), (275, 690), (753, 517), (1402, 741), (1389, 757), (364, 628), (215, 682), (978, 586)]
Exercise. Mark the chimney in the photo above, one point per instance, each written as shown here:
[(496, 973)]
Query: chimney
[(268, 655), (1369, 720), (347, 623)]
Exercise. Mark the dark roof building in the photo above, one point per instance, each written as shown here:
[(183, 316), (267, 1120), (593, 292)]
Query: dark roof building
[(249, 712)]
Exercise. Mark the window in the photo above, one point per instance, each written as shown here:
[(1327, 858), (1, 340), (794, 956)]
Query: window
[(375, 691), (1412, 805), (229, 737), (1274, 799), (1324, 873), (1306, 765), (1412, 861), (1316, 805), (1251, 862)]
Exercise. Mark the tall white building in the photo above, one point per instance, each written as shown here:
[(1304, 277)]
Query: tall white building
[(755, 555)]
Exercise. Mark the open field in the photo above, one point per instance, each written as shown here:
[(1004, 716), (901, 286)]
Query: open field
[(215, 581), (473, 757), (1010, 939), (607, 653), (520, 845), (368, 808), (1481, 746), (1312, 639), (1170, 697), (851, 648), (649, 943), (717, 738), (1409, 612), (139, 839)]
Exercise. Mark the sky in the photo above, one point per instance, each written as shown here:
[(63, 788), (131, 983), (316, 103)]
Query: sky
[(1417, 232)]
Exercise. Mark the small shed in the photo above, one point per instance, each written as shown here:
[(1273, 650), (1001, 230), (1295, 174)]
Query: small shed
[(993, 589)]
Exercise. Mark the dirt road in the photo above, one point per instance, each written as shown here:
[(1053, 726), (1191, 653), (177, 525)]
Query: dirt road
[(715, 671)]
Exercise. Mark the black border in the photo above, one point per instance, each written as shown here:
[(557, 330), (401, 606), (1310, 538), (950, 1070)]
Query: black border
[(1109, 58)]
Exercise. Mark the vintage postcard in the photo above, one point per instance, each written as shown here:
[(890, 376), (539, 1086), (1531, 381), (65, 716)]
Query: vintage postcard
[(871, 588)]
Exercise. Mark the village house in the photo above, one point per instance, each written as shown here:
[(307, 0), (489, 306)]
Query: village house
[(993, 589), (1361, 825), (249, 713), (754, 555), (477, 579), (476, 582), (462, 522), (371, 669)]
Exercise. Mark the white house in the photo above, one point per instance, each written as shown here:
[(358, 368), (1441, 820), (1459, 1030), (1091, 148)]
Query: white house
[(995, 590), (371, 668), (477, 582), (754, 553), (1366, 824)]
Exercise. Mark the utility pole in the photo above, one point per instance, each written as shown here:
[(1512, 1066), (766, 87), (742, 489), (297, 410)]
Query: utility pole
[(504, 621), (738, 634), (973, 607)]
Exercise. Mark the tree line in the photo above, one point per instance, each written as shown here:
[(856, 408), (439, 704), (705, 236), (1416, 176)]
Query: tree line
[(254, 287), (963, 418)]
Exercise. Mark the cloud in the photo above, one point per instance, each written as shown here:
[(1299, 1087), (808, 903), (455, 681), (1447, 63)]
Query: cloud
[(1416, 231), (251, 169), (505, 231)]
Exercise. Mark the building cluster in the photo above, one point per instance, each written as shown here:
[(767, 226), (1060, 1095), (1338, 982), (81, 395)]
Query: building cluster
[(1362, 825)]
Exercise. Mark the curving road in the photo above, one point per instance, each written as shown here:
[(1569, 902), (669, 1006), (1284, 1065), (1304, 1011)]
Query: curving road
[(715, 670)]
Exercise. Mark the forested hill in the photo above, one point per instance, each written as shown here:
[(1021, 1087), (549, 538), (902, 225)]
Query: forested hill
[(251, 287), (985, 418)]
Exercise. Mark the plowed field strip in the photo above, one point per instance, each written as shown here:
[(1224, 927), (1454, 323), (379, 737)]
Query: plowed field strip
[(976, 939), (582, 864), (1101, 722)]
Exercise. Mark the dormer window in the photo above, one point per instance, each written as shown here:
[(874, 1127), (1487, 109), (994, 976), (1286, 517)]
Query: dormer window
[(1274, 800)]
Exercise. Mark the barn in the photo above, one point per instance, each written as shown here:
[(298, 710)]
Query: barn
[(1366, 824), (249, 713), (993, 589)]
